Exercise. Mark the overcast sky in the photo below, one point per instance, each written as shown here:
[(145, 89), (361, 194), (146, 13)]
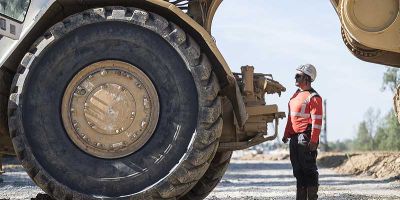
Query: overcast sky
[(278, 36)]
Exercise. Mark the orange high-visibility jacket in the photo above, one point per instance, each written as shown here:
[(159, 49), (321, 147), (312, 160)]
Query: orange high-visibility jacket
[(305, 108)]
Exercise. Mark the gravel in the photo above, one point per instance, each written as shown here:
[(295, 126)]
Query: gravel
[(259, 179), (248, 179)]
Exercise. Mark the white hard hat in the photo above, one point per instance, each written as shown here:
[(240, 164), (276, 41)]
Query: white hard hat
[(308, 69)]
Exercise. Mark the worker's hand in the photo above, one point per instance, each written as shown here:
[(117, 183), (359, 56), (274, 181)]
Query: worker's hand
[(312, 146), (284, 139)]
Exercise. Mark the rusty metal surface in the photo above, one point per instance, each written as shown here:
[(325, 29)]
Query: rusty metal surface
[(110, 109)]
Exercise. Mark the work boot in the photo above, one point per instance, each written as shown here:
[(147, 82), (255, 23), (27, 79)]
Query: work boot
[(312, 193), (301, 193)]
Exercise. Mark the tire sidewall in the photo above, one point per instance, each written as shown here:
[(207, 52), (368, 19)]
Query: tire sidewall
[(49, 76)]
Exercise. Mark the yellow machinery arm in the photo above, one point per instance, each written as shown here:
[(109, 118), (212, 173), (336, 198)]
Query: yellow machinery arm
[(370, 29)]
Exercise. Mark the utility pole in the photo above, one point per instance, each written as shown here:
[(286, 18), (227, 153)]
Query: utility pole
[(324, 146)]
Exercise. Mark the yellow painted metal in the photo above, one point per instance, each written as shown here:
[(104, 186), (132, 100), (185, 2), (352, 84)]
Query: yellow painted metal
[(198, 28), (262, 110), (374, 24), (110, 109), (248, 80), (372, 15), (210, 14), (254, 86), (203, 11)]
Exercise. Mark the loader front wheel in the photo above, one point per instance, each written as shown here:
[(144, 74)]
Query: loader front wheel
[(211, 178), (6, 78), (115, 103)]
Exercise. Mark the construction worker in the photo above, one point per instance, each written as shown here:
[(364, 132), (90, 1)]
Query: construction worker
[(303, 128)]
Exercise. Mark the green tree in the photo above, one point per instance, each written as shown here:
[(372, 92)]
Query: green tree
[(380, 138), (339, 146), (388, 134), (390, 79), (371, 119), (379, 133), (363, 141)]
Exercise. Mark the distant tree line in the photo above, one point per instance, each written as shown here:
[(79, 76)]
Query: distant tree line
[(376, 132), (386, 137)]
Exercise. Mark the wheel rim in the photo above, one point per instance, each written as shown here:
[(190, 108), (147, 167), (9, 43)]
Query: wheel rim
[(110, 109)]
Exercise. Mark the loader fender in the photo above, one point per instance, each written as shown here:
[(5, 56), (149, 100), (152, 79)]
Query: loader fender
[(44, 13)]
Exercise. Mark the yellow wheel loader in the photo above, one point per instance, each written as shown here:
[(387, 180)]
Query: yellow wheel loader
[(131, 99), (127, 99), (371, 31)]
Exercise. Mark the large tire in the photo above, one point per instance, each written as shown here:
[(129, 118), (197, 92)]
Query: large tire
[(211, 178), (189, 106), (6, 78)]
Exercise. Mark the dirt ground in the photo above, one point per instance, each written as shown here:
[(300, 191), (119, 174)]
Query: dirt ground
[(375, 164), (355, 176), (267, 178), (273, 180)]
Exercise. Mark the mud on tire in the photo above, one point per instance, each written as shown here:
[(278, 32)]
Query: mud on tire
[(186, 85)]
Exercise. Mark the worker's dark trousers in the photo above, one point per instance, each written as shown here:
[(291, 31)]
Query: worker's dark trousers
[(304, 162)]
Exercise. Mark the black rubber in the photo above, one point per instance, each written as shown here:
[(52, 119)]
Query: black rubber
[(6, 78), (188, 131), (211, 178), (42, 197)]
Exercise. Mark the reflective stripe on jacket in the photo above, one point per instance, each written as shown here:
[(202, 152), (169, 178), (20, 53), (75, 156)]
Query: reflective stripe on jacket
[(305, 107)]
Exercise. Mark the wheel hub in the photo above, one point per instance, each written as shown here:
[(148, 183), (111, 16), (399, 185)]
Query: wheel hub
[(110, 109)]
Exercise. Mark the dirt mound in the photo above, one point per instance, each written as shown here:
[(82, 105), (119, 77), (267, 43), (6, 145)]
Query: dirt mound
[(376, 164), (331, 160)]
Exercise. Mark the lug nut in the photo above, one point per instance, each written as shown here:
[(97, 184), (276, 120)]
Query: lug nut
[(143, 124)]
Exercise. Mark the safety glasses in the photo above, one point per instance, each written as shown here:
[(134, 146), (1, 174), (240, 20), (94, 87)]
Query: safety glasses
[(298, 76)]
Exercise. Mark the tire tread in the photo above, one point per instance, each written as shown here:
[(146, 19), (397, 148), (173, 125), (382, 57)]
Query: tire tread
[(211, 178), (208, 128)]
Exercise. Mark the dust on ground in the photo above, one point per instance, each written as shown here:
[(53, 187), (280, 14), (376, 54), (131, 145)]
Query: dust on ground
[(253, 176)]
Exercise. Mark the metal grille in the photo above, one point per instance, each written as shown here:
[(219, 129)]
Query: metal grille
[(182, 4)]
